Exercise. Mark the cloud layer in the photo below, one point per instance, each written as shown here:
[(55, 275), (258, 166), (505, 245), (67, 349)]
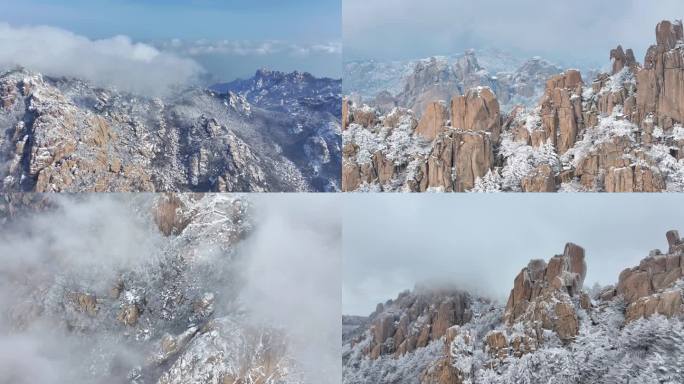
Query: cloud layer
[(249, 48), (480, 242), (116, 61), (577, 31), (293, 277)]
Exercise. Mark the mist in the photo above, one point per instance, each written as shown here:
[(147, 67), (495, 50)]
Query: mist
[(576, 33), (271, 262), (293, 277), (110, 62), (481, 242), (81, 244)]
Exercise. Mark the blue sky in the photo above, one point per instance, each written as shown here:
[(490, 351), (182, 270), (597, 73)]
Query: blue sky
[(301, 23), (579, 32)]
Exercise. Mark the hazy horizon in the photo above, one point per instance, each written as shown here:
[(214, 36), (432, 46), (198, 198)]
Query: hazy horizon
[(579, 33)]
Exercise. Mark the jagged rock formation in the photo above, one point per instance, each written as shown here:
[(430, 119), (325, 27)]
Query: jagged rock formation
[(458, 155), (171, 319), (542, 293), (621, 133), (413, 320), (62, 135), (551, 327), (415, 84)]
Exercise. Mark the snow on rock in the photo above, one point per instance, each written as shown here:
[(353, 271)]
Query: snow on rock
[(551, 331), (620, 133)]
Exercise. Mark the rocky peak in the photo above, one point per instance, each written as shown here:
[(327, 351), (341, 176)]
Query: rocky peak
[(653, 287), (477, 110), (669, 34), (433, 121), (415, 319), (660, 85), (622, 59), (561, 109), (542, 292)]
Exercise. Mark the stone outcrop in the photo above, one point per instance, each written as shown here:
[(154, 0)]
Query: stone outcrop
[(622, 59), (170, 215), (649, 287), (433, 121), (414, 320), (477, 110), (458, 158), (541, 180), (542, 293), (561, 109), (661, 81)]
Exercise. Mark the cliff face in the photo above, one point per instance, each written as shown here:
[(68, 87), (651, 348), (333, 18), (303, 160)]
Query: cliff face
[(620, 133), (62, 135), (551, 326)]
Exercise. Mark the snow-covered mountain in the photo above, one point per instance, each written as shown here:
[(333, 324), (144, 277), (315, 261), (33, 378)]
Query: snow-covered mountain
[(62, 134), (620, 133), (551, 330), (157, 288), (414, 83)]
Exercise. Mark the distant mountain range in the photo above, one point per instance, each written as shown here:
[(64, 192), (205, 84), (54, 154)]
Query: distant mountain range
[(273, 132)]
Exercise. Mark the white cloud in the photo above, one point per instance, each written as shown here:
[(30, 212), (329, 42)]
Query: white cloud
[(293, 277), (116, 61), (249, 48)]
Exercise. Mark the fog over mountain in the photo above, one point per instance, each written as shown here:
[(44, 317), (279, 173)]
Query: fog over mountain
[(405, 29), (480, 242)]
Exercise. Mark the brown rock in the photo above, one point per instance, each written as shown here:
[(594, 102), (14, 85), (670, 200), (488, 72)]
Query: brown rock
[(496, 344), (668, 304), (129, 315), (477, 110), (673, 239), (541, 179), (169, 216), (561, 109), (433, 121), (365, 116), (634, 285), (567, 324), (441, 372), (382, 329), (345, 113), (668, 34), (87, 303)]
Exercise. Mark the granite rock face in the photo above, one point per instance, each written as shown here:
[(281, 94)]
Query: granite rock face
[(399, 151), (413, 320)]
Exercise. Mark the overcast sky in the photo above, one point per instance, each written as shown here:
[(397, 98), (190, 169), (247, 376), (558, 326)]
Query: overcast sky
[(579, 31), (231, 38), (480, 241)]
